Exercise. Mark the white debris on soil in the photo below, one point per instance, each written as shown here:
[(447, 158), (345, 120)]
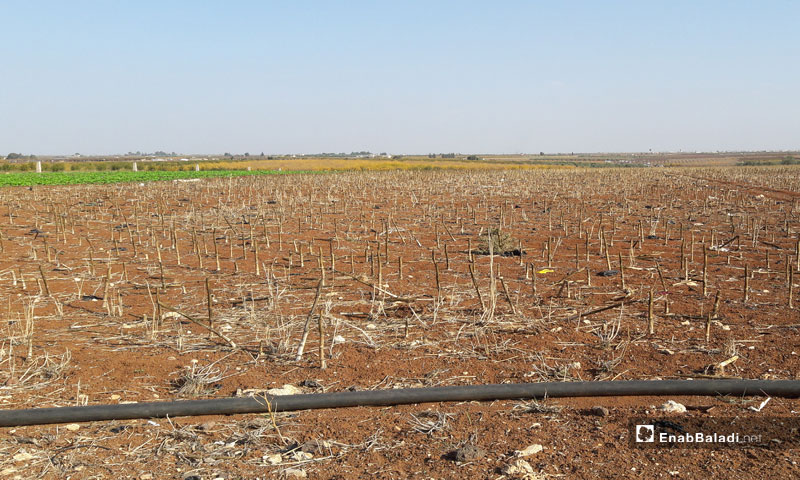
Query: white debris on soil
[(673, 407), (300, 456), (518, 468), (168, 315), (284, 390), (295, 473), (761, 406), (521, 469), (22, 456), (529, 450)]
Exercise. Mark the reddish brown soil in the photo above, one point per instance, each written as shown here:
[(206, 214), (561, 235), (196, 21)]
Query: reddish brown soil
[(82, 348)]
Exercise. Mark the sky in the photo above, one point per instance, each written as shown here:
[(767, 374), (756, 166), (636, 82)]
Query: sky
[(106, 77)]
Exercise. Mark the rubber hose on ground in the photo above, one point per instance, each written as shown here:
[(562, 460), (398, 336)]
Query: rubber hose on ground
[(265, 404)]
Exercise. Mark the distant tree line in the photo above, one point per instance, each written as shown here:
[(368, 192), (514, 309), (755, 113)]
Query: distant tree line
[(787, 160), (19, 156)]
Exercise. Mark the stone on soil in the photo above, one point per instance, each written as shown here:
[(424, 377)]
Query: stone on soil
[(599, 411), (671, 406), (529, 450), (284, 390), (469, 453)]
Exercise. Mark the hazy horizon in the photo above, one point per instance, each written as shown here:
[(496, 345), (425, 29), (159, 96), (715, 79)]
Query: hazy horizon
[(105, 78), (257, 155)]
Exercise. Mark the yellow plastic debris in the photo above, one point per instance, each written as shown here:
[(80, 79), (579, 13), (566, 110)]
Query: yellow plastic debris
[(545, 270)]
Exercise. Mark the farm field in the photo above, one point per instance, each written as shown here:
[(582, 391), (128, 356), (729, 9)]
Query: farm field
[(92, 169), (393, 270), (80, 178)]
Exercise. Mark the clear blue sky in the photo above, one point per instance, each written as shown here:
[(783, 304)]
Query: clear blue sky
[(101, 77)]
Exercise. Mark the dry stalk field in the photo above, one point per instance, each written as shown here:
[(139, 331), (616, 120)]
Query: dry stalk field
[(228, 287)]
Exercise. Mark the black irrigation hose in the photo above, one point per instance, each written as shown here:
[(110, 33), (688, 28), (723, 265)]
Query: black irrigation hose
[(261, 404)]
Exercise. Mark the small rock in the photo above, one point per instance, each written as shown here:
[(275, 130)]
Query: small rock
[(295, 473), (311, 446), (207, 426), (146, 476), (284, 390), (115, 397), (673, 407), (468, 453), (72, 427), (599, 411), (273, 459), (529, 450), (308, 383), (338, 339)]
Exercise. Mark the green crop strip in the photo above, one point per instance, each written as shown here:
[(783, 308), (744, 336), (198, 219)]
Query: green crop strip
[(77, 178)]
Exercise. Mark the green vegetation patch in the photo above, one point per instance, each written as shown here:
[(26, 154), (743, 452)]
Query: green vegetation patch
[(75, 178)]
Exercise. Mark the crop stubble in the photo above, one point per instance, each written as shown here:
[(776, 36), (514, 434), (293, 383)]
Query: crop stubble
[(110, 294)]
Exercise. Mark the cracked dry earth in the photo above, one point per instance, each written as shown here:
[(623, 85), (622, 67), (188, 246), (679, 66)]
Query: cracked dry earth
[(83, 269)]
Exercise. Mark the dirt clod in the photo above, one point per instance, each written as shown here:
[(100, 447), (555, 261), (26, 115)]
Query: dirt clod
[(468, 453), (599, 411), (607, 273)]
